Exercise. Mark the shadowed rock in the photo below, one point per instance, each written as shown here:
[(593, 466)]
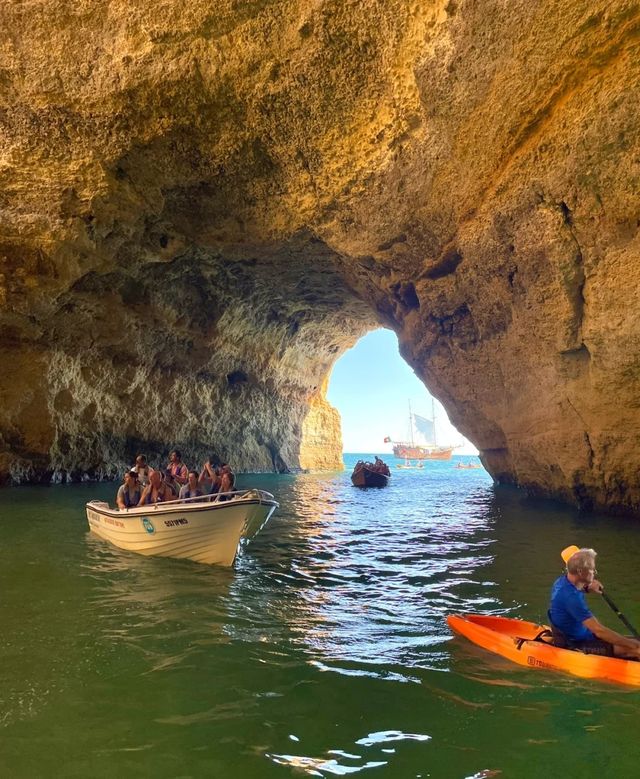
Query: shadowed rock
[(204, 206)]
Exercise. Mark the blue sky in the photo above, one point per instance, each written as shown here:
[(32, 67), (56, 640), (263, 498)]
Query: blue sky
[(371, 386)]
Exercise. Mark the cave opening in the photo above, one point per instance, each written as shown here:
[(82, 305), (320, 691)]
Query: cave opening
[(373, 387)]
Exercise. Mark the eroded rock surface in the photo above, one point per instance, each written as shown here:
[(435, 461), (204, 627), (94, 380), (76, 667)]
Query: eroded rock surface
[(204, 205)]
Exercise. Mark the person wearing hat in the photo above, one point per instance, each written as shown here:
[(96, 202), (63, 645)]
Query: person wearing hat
[(129, 492), (573, 624)]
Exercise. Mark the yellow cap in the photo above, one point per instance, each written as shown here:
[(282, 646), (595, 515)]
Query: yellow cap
[(568, 553)]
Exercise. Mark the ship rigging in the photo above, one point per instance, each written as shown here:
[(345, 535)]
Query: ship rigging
[(423, 443)]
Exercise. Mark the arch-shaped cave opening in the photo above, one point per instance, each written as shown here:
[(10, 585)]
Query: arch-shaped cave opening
[(376, 391), (288, 184), (226, 348)]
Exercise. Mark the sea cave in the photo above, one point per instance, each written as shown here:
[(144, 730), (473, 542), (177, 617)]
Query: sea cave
[(203, 208)]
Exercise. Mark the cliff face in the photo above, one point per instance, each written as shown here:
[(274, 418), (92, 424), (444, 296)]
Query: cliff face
[(223, 357), (203, 207)]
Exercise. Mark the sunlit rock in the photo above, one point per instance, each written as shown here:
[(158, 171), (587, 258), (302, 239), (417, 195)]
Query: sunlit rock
[(204, 205)]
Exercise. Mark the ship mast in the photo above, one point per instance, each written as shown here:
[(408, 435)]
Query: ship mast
[(433, 419), (410, 424)]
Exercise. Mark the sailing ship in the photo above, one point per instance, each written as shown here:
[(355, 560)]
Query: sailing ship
[(423, 444)]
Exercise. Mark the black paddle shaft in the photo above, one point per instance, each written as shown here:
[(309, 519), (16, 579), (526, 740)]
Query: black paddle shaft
[(620, 614)]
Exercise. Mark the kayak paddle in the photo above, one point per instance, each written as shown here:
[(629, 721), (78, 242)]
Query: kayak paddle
[(624, 620)]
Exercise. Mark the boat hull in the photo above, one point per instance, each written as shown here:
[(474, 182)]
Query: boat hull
[(422, 453), (364, 477), (206, 532), (515, 640)]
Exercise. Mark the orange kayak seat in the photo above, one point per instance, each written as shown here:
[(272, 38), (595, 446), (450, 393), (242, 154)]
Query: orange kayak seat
[(544, 636)]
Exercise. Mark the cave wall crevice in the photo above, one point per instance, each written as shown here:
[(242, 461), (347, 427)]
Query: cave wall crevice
[(200, 211)]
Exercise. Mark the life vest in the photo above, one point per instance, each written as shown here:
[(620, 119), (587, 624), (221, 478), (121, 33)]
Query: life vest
[(159, 498), (175, 469), (127, 500)]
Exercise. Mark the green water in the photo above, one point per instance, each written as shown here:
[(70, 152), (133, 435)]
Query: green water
[(324, 652)]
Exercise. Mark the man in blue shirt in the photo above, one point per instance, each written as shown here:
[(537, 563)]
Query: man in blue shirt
[(573, 621)]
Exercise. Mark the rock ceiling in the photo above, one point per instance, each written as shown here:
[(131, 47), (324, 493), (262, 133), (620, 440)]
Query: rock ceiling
[(203, 205)]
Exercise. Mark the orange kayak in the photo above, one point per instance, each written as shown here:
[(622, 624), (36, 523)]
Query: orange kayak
[(519, 641)]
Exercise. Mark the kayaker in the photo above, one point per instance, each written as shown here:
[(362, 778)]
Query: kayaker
[(573, 624)]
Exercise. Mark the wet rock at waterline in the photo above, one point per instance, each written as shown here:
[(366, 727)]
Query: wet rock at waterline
[(202, 208)]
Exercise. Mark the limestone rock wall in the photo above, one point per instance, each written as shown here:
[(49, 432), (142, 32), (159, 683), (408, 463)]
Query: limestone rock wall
[(321, 435), (223, 358), (203, 205)]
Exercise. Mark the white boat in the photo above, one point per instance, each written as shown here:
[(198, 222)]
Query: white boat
[(201, 529), (407, 465)]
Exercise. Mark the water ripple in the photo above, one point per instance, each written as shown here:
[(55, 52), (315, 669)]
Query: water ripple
[(324, 651)]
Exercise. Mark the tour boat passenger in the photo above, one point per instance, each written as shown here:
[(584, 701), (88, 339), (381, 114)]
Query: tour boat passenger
[(177, 471), (157, 491), (142, 469), (381, 467), (129, 493), (227, 481), (209, 479), (191, 490)]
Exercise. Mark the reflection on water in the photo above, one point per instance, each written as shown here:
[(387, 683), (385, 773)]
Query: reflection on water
[(347, 762), (323, 652), (322, 766), (369, 574)]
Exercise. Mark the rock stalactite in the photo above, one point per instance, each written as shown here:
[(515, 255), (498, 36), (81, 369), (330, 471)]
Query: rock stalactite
[(202, 207)]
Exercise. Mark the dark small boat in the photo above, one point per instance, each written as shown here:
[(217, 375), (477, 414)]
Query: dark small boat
[(370, 474)]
